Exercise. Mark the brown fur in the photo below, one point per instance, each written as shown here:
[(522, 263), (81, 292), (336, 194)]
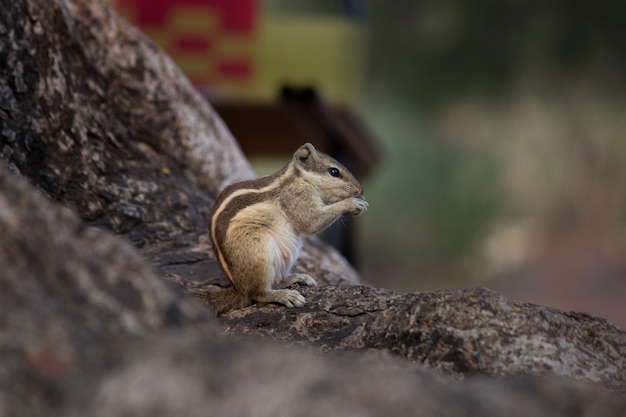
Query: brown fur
[(256, 226)]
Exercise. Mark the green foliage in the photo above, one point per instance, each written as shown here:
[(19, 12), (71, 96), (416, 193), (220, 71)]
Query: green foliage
[(431, 203), (439, 50)]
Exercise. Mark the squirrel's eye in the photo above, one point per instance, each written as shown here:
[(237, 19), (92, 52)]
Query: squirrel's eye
[(334, 172)]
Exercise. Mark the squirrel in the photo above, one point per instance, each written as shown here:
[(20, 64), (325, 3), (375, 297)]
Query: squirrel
[(257, 227)]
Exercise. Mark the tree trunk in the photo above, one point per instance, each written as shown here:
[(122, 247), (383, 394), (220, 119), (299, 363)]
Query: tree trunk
[(97, 117), (99, 128)]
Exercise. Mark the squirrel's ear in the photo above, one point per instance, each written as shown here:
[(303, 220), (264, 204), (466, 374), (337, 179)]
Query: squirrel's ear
[(304, 152)]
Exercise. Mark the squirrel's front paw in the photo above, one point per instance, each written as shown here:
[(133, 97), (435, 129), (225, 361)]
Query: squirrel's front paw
[(360, 205)]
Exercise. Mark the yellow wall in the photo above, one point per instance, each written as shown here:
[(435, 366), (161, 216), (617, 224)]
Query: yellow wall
[(324, 52)]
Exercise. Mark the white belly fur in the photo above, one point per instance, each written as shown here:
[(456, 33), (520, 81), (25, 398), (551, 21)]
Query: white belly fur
[(280, 243), (283, 248)]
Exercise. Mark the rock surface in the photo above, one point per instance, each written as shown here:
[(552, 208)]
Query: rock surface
[(109, 164)]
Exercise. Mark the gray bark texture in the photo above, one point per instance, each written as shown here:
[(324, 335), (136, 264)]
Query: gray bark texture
[(109, 165)]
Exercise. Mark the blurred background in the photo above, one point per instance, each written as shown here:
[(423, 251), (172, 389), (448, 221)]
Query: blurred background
[(490, 135)]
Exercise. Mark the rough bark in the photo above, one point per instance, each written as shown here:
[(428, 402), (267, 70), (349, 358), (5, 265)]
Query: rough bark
[(466, 332), (99, 128), (261, 380), (64, 288), (88, 329), (96, 116)]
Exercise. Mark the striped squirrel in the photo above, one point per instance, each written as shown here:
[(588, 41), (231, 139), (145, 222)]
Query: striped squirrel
[(256, 227)]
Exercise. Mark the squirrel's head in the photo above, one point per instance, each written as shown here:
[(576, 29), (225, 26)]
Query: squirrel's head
[(332, 179)]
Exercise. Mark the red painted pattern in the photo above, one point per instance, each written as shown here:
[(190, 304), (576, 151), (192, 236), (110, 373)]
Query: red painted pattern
[(237, 15)]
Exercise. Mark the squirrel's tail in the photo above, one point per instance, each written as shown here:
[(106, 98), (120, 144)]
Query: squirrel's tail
[(224, 300)]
